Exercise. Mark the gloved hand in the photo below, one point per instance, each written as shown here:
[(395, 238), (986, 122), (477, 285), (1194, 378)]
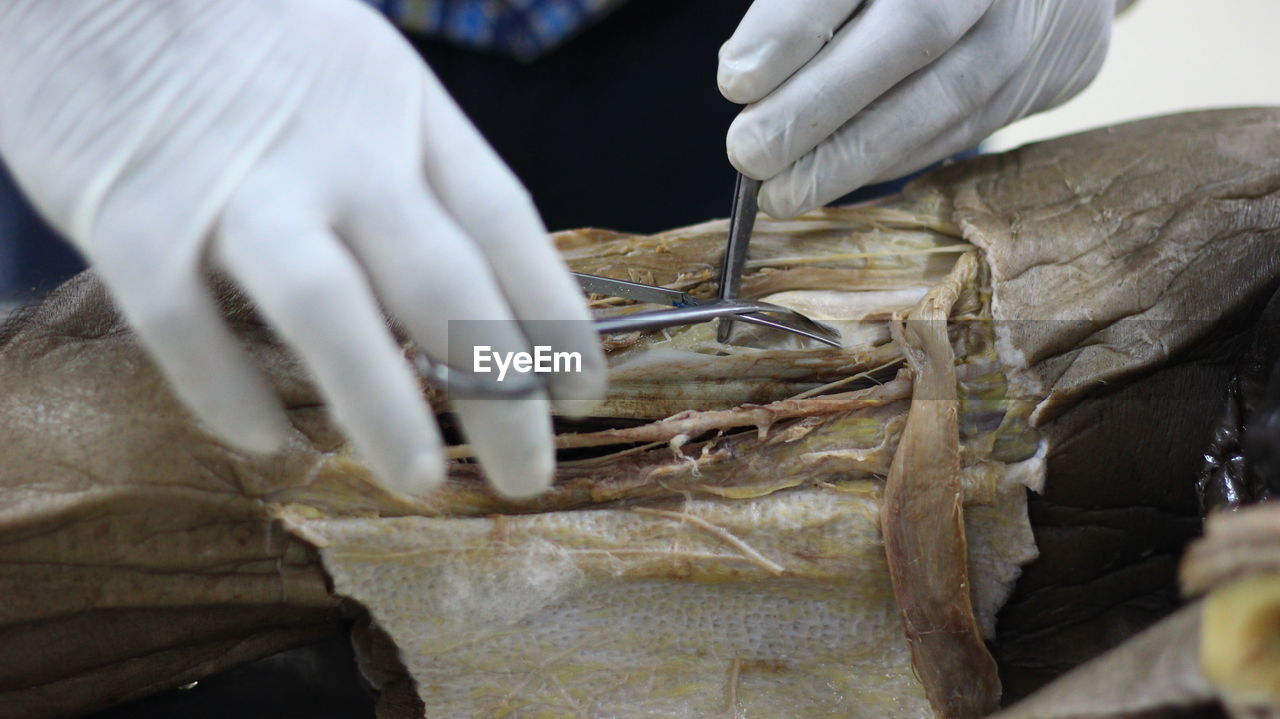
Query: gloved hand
[(845, 93), (302, 148)]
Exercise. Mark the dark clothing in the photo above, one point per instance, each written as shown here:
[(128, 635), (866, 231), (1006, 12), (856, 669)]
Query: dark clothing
[(524, 29), (622, 127), (33, 258)]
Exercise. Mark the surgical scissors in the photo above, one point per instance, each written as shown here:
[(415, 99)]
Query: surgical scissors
[(689, 310), (685, 308)]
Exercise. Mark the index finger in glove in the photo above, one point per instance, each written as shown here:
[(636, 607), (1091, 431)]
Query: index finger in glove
[(875, 51), (312, 292), (439, 285), (495, 211), (176, 319), (774, 39)]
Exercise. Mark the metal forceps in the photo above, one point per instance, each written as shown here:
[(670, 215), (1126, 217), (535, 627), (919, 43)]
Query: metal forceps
[(689, 310), (742, 220)]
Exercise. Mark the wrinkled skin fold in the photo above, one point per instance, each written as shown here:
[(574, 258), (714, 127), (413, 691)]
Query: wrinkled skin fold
[(768, 529)]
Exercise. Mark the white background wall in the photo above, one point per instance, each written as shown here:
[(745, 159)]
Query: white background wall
[(1170, 55)]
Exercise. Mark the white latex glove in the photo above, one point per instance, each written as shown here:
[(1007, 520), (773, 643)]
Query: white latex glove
[(845, 93), (303, 148)]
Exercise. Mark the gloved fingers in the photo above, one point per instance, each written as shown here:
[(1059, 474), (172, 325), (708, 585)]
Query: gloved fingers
[(440, 287), (496, 212), (881, 46), (310, 289), (1018, 97), (513, 440), (916, 123), (774, 39), (1081, 36), (424, 269), (963, 135), (177, 320)]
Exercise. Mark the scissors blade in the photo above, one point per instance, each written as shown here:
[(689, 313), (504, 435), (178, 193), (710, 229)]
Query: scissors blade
[(752, 312), (633, 290), (742, 220), (796, 324)]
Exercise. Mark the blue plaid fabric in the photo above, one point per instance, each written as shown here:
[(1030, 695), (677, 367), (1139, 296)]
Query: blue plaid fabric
[(522, 28)]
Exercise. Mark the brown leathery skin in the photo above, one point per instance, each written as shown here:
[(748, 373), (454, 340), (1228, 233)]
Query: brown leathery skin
[(122, 521), (1166, 227), (1131, 208)]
